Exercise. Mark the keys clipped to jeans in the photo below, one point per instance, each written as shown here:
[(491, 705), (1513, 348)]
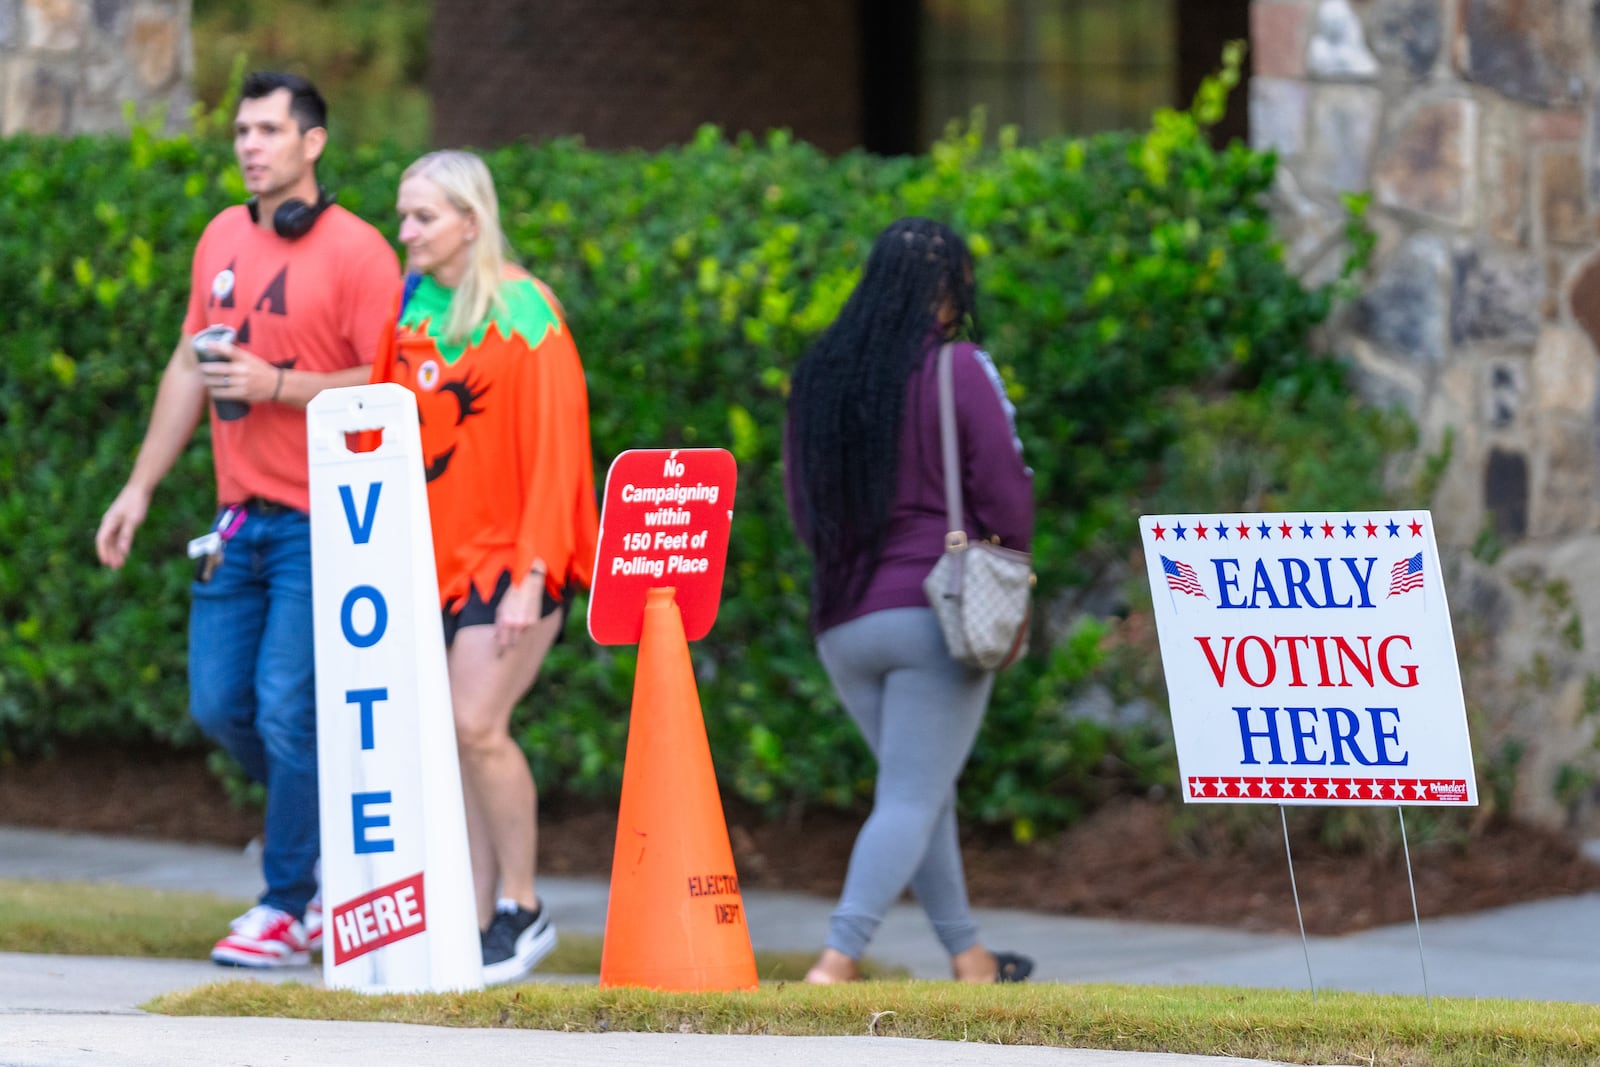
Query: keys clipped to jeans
[(207, 548)]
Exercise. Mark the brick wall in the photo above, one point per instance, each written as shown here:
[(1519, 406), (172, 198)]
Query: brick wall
[(646, 73)]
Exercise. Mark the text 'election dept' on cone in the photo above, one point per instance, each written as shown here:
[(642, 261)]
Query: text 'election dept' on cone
[(676, 918)]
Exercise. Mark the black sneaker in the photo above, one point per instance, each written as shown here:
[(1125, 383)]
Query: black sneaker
[(516, 940)]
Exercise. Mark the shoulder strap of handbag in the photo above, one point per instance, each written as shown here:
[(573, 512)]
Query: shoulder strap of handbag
[(949, 446)]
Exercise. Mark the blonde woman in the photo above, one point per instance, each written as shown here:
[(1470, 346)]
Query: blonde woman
[(505, 436)]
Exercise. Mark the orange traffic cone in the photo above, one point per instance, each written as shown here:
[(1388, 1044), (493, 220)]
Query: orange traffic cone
[(676, 918)]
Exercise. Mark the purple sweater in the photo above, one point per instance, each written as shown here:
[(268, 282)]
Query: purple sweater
[(996, 487)]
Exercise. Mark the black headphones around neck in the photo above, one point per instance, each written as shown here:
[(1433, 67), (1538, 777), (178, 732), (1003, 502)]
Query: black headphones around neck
[(294, 217)]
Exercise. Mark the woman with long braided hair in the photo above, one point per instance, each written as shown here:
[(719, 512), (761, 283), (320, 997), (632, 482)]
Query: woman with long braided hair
[(865, 482)]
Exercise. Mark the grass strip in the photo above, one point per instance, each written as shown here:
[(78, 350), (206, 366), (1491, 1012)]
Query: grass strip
[(1266, 1024), (93, 919), (96, 919)]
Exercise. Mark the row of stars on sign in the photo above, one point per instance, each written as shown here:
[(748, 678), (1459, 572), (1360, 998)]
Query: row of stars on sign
[(1331, 788), (1285, 531)]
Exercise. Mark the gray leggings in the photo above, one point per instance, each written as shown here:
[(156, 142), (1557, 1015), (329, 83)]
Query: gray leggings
[(919, 711)]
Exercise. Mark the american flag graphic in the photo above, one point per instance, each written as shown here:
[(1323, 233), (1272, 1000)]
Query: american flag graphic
[(1406, 575), (1181, 576)]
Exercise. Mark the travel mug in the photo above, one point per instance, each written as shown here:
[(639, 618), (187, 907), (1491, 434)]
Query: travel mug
[(204, 347)]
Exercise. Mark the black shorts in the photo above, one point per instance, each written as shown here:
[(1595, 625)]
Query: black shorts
[(475, 611)]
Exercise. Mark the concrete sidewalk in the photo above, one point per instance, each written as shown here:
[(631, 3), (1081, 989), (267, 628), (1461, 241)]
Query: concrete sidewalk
[(1541, 951)]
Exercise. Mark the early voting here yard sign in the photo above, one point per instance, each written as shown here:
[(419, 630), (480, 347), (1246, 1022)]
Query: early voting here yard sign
[(1309, 658), (399, 914)]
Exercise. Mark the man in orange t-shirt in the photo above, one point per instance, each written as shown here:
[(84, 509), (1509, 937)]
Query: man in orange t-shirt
[(308, 289)]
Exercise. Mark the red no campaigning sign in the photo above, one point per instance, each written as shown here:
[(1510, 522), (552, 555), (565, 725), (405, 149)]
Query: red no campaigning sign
[(664, 521)]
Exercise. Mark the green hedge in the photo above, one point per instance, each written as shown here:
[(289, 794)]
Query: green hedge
[(1134, 296)]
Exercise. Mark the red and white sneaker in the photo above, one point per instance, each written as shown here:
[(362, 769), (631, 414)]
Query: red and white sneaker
[(263, 937), (313, 923)]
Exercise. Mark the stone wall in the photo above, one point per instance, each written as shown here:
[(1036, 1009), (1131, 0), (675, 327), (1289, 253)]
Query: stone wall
[(69, 66), (1474, 127)]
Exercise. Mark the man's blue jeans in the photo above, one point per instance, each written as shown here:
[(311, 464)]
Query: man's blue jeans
[(252, 688)]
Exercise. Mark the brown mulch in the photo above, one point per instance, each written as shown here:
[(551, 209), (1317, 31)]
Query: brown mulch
[(1205, 864)]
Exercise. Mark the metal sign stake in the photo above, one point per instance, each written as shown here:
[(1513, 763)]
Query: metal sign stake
[(1293, 888), (1415, 916)]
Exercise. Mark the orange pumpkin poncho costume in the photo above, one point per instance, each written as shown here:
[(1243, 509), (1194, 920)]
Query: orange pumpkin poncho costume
[(505, 436)]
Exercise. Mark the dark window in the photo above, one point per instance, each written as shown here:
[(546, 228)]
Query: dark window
[(891, 78), (1048, 67), (1203, 30)]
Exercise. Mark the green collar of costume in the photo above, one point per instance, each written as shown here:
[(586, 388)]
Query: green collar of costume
[(526, 312)]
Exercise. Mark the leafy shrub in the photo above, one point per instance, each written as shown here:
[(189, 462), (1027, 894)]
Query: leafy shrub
[(1135, 300)]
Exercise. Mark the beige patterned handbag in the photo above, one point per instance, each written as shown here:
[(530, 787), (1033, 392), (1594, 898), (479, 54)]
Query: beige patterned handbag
[(982, 593)]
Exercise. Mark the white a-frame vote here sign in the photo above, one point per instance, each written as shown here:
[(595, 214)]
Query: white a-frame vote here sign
[(397, 892), (1309, 658)]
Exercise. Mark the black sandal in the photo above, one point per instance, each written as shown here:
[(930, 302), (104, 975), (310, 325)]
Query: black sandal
[(1012, 967)]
